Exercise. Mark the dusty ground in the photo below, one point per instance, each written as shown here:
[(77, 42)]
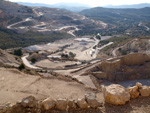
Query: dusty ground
[(15, 85), (49, 64)]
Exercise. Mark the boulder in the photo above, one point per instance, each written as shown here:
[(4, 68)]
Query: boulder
[(72, 104), (62, 104), (107, 66), (116, 94), (82, 103), (29, 101), (133, 91), (139, 85), (145, 91), (92, 100), (48, 104), (135, 59)]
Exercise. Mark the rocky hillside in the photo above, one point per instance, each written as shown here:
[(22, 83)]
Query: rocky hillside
[(22, 26), (121, 21), (8, 59), (136, 45), (44, 19)]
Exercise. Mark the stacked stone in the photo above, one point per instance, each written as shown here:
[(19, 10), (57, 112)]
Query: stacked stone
[(118, 95), (30, 104)]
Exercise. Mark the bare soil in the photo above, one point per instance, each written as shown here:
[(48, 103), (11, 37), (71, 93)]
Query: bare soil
[(15, 85)]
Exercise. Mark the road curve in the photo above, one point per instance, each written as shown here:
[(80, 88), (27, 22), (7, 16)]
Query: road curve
[(26, 62)]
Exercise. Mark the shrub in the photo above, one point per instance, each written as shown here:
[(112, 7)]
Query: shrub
[(33, 60), (72, 54), (22, 66), (18, 52)]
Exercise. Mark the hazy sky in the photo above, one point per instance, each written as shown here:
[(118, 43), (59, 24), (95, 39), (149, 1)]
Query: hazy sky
[(89, 2)]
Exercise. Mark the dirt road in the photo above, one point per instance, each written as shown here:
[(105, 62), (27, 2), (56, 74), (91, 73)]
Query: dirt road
[(26, 62)]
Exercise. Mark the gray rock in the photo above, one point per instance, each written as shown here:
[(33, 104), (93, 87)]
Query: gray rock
[(92, 100), (29, 101)]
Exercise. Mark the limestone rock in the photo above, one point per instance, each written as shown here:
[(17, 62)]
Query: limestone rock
[(145, 91), (107, 66), (48, 104), (135, 59), (133, 91), (116, 94), (61, 104), (82, 103), (100, 75), (92, 100), (139, 85), (29, 101), (72, 104)]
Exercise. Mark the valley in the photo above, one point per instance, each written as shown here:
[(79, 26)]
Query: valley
[(53, 60)]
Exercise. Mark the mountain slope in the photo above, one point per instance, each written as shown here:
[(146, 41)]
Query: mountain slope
[(110, 15), (138, 6), (22, 26)]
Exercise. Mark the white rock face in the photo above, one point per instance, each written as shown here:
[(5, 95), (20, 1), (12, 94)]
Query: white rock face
[(145, 91), (48, 104), (116, 94), (92, 100)]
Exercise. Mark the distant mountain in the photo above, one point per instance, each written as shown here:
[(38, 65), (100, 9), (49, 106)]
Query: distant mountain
[(137, 6), (74, 7), (115, 16)]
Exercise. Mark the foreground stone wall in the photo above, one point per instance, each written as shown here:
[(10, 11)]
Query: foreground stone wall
[(31, 105), (118, 95), (114, 94)]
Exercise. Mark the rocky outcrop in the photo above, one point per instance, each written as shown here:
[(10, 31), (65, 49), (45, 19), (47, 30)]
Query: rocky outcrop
[(107, 66), (133, 91), (116, 94), (92, 100), (135, 59), (8, 59), (129, 67)]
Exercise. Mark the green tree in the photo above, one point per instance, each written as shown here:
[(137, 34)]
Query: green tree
[(18, 52), (64, 55), (33, 60), (72, 54), (22, 66)]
